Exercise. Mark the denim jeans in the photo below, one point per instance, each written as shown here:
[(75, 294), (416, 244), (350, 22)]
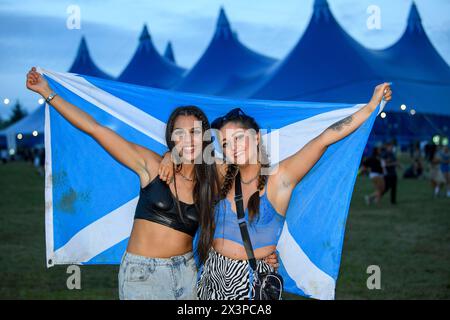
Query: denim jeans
[(145, 278)]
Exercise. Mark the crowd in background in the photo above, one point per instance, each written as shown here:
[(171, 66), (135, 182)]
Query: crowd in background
[(426, 161), (34, 156)]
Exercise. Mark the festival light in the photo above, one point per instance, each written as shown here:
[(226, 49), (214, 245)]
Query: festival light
[(445, 141), (413, 112), (403, 107), (19, 136), (6, 101), (383, 115), (35, 133), (436, 139)]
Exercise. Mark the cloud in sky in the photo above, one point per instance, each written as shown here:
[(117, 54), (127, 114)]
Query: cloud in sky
[(35, 33)]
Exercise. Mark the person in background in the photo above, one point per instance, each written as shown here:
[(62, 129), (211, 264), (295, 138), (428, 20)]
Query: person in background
[(445, 167), (373, 165), (437, 178), (418, 160), (390, 170), (38, 160), (416, 169), (430, 149)]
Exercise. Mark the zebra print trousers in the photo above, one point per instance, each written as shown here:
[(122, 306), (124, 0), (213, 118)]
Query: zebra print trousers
[(223, 278)]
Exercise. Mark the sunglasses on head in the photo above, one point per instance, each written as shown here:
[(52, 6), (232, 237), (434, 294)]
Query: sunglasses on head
[(232, 114)]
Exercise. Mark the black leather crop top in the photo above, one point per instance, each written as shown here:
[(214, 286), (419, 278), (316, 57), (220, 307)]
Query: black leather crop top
[(157, 204)]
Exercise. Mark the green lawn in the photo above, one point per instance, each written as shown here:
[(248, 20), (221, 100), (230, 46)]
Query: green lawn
[(410, 242)]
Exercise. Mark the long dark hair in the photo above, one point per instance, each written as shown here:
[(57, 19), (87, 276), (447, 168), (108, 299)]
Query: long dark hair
[(206, 185), (238, 117)]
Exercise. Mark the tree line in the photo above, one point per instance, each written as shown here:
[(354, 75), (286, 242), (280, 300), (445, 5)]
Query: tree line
[(17, 113)]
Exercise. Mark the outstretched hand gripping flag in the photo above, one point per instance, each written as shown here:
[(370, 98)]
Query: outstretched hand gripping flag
[(90, 197)]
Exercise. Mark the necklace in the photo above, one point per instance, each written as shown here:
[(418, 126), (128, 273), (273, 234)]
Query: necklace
[(252, 179), (185, 178)]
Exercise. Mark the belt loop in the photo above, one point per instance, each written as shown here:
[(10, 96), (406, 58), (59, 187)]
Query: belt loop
[(152, 265), (186, 257)]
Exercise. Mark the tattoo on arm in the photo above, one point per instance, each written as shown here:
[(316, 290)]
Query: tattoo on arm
[(337, 126)]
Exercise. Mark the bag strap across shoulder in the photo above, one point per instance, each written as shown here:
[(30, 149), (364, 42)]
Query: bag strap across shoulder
[(238, 199)]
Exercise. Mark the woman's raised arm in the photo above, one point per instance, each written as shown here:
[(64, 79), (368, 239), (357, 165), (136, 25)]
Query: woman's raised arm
[(139, 159), (295, 167)]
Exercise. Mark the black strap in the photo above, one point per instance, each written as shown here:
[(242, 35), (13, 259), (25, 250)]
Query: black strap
[(241, 218)]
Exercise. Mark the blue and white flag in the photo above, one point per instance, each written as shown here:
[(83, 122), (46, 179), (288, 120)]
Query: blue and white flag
[(90, 198)]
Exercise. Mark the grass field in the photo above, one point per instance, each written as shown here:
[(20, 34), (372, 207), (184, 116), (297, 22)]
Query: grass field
[(410, 242)]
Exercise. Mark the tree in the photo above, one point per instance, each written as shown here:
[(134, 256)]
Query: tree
[(17, 113)]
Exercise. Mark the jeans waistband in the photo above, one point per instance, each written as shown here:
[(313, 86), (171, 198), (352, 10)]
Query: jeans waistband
[(184, 258)]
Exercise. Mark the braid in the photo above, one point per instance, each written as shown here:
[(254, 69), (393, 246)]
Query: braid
[(228, 180), (254, 201), (264, 160)]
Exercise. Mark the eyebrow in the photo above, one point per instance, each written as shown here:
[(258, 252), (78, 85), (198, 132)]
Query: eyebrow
[(192, 128), (239, 130)]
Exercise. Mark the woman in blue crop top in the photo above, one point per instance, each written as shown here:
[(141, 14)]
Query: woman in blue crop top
[(266, 194)]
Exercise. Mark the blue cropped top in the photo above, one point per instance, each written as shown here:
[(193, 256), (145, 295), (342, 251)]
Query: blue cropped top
[(264, 230)]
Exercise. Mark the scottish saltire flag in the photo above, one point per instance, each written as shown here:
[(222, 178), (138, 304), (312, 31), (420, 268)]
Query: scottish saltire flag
[(90, 198)]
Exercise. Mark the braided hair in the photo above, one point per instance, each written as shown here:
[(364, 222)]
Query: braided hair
[(206, 181)]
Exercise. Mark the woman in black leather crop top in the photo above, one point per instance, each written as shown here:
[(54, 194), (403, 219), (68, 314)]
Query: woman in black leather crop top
[(159, 261)]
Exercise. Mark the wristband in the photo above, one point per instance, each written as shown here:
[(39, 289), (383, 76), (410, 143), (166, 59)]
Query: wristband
[(50, 97)]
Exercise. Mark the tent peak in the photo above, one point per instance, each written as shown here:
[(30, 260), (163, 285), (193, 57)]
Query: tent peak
[(83, 63), (223, 28), (83, 55), (222, 21), (168, 53), (83, 48), (414, 20), (321, 10), (145, 35), (413, 13), (320, 3)]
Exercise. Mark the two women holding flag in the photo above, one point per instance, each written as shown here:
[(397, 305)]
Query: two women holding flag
[(158, 262)]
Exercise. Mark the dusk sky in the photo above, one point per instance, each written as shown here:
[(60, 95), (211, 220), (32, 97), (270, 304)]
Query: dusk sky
[(35, 32)]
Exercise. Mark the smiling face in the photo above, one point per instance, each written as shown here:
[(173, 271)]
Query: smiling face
[(187, 136), (240, 145)]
